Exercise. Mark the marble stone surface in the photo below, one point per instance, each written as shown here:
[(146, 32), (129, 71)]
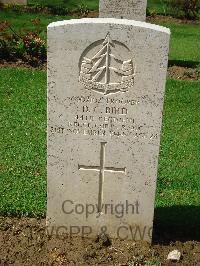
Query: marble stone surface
[(126, 9), (106, 84)]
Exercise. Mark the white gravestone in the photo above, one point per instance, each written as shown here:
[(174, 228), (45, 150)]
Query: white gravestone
[(106, 83), (126, 9)]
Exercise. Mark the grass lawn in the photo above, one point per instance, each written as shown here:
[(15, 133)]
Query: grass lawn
[(179, 168), (23, 144), (23, 21), (185, 42), (159, 6), (71, 4), (22, 141)]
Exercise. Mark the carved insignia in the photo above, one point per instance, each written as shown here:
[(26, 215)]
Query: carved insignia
[(106, 71)]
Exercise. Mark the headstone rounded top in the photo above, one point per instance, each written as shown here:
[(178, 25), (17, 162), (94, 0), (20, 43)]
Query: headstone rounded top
[(115, 21)]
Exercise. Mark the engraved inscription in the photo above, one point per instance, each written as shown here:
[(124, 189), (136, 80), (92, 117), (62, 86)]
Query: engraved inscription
[(106, 116), (59, 130), (103, 68), (102, 169)]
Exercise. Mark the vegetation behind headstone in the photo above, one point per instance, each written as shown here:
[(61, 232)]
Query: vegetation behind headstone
[(26, 45), (189, 9)]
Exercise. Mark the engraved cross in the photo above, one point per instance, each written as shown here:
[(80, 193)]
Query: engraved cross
[(102, 169)]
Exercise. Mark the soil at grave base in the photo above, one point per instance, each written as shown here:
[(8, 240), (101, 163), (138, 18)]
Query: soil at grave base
[(21, 64), (183, 73), (174, 72), (23, 241), (159, 18)]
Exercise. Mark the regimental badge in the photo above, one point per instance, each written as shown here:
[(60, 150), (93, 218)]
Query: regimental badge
[(106, 67)]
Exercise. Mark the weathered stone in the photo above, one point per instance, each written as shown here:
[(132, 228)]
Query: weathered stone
[(174, 255), (106, 83), (17, 2), (126, 9)]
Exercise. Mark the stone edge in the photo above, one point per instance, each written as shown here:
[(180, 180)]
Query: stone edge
[(111, 21)]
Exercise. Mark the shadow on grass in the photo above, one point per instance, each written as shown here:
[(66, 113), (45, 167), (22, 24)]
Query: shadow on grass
[(176, 223), (182, 63)]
